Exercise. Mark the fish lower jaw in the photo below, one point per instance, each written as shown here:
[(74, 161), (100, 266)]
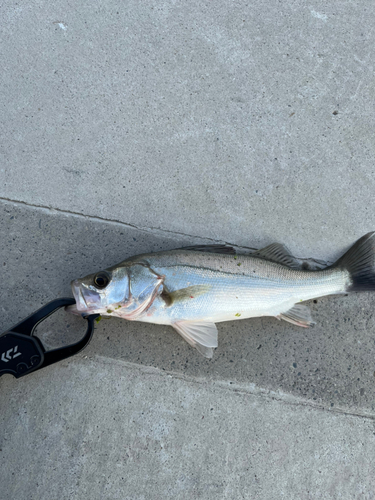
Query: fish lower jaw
[(84, 312)]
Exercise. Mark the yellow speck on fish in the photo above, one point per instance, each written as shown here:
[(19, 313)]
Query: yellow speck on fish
[(239, 264), (238, 315), (98, 319), (235, 257), (109, 311)]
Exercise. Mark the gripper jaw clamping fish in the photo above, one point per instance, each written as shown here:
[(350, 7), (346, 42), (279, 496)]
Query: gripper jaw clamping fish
[(22, 353)]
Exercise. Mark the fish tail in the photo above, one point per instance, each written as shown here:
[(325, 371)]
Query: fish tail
[(359, 260)]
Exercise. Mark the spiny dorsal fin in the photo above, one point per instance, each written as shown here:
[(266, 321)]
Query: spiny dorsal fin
[(211, 248), (298, 315), (277, 253), (200, 334)]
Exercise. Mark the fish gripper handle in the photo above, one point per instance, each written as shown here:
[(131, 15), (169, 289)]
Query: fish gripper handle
[(22, 353)]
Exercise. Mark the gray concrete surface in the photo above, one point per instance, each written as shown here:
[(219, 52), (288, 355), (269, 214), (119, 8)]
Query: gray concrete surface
[(138, 126), (218, 111), (106, 435)]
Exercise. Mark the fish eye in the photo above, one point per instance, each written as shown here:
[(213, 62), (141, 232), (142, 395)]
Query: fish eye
[(101, 279)]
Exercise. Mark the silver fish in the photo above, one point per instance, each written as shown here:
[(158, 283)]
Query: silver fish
[(193, 288)]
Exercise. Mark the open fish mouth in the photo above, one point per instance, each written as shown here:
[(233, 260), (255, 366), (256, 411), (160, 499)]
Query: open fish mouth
[(86, 302)]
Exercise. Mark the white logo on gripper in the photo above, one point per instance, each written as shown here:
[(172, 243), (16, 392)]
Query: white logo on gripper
[(7, 356)]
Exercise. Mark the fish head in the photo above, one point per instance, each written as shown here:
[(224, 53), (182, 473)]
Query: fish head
[(98, 292), (124, 291)]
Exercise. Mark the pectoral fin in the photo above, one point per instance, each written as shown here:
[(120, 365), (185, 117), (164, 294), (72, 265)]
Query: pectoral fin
[(200, 334), (188, 293), (298, 315)]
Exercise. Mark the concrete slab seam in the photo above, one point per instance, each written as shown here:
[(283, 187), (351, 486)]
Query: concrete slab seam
[(154, 230), (241, 389)]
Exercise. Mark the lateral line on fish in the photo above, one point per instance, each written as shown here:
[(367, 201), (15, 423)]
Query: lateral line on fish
[(155, 230), (238, 387)]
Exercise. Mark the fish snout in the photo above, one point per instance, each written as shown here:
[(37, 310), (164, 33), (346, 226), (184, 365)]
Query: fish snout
[(86, 299)]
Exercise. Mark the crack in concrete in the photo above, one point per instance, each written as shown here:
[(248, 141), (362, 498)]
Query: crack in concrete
[(249, 389), (155, 230)]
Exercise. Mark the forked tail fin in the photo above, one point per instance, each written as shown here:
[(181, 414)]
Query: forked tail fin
[(359, 260)]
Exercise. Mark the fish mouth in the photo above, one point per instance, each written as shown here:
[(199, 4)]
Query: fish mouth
[(81, 305)]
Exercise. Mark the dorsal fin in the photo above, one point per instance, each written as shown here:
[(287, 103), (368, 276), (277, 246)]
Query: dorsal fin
[(277, 253), (210, 248)]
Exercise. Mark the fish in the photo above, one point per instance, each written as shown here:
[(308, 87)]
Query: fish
[(193, 288)]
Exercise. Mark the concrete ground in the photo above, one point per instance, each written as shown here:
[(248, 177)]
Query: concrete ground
[(139, 126)]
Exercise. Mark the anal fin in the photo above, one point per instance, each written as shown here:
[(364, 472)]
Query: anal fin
[(299, 315), (199, 334)]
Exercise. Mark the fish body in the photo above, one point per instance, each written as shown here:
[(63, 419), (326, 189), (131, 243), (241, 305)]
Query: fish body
[(193, 288), (226, 287)]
